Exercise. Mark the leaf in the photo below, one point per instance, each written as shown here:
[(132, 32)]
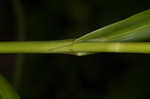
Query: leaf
[(134, 28), (6, 91)]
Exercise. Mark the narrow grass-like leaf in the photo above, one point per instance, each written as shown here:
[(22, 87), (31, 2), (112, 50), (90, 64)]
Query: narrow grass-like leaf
[(6, 91), (134, 28)]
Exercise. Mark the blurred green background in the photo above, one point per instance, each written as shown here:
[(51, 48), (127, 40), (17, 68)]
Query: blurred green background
[(55, 76)]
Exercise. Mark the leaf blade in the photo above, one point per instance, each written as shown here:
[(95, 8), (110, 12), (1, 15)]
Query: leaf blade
[(6, 91), (130, 26)]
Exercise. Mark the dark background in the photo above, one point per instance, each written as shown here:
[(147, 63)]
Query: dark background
[(55, 76)]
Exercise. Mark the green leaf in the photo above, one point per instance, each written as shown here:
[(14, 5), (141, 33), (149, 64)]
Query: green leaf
[(6, 91), (134, 28)]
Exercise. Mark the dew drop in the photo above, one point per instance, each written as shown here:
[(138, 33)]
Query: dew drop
[(81, 53)]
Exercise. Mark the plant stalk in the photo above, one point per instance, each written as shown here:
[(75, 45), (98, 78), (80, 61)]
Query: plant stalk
[(21, 30), (67, 46)]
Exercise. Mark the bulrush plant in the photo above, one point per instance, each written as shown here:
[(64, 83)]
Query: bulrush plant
[(130, 35)]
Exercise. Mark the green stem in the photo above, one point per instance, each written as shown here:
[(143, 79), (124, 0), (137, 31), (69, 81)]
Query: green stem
[(67, 46), (20, 19), (115, 47), (33, 46), (21, 30)]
